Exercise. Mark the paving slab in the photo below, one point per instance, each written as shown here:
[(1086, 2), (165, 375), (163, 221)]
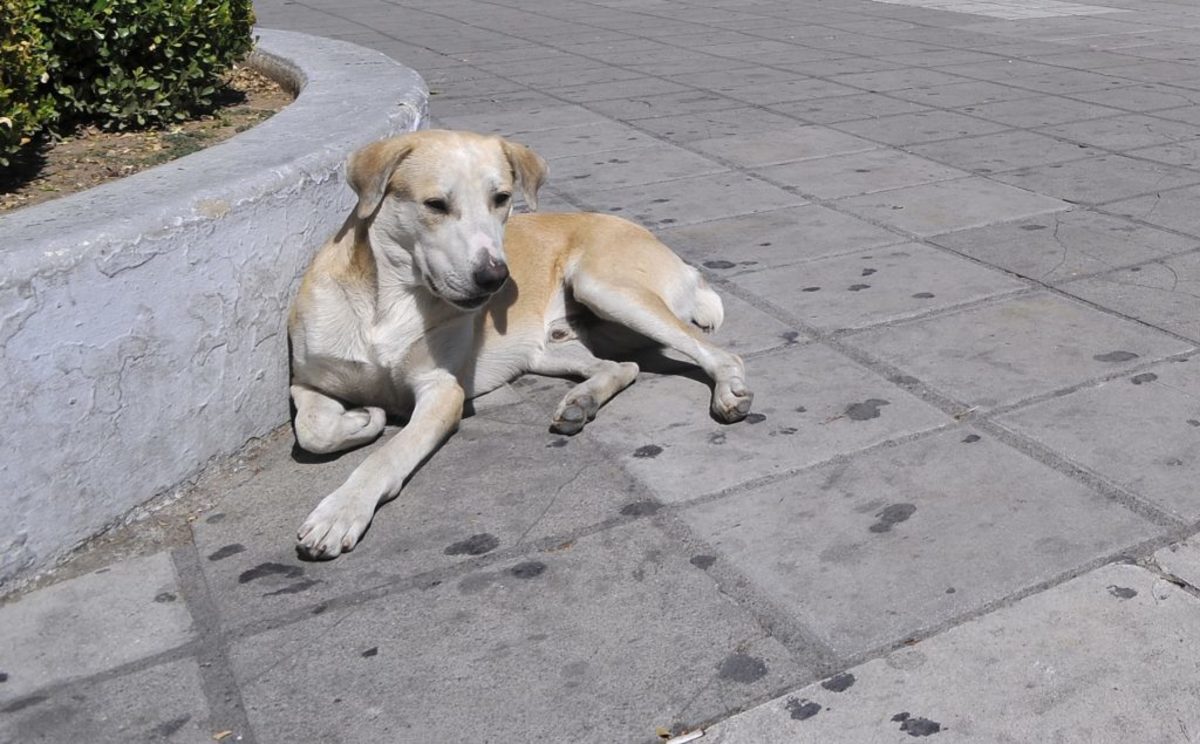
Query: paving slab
[(742, 122), (90, 624), (1096, 659), (858, 173), (603, 639), (1161, 293), (690, 200), (580, 140), (1182, 560), (810, 404), (458, 506), (945, 206), (870, 551), (799, 142), (1121, 133), (1099, 179), (1174, 209), (994, 153), (847, 108), (1040, 111), (781, 237), (1062, 246), (578, 175), (1143, 98), (162, 704), (1141, 431), (923, 126), (874, 286), (1016, 348)]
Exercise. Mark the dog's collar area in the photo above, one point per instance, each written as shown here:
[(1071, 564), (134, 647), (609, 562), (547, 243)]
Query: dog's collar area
[(471, 304)]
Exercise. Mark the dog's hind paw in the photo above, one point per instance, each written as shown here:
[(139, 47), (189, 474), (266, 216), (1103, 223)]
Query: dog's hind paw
[(731, 400), (333, 528), (573, 414)]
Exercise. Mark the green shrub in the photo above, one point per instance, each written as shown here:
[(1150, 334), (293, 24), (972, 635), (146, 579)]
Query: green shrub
[(137, 63), (25, 105)]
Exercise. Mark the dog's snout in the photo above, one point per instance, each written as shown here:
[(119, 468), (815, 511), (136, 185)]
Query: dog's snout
[(491, 274)]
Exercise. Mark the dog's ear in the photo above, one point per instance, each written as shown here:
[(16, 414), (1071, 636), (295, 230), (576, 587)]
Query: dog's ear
[(370, 167), (530, 169)]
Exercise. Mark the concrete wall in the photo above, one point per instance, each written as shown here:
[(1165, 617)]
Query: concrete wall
[(142, 323)]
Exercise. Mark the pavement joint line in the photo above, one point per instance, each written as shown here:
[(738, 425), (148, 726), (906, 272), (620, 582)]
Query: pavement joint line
[(1150, 563), (226, 708)]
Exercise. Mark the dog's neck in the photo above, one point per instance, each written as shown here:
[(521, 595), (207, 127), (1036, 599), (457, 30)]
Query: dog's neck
[(399, 288)]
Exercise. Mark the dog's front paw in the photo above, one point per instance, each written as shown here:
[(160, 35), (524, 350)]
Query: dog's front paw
[(731, 400), (334, 527)]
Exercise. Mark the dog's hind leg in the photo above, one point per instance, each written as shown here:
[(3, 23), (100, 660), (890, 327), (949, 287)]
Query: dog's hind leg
[(324, 425), (602, 380), (641, 309)]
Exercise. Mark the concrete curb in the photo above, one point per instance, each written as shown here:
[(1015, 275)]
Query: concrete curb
[(142, 322)]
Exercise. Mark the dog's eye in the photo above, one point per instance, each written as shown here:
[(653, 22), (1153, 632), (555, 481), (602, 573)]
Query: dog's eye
[(437, 205), (501, 199)]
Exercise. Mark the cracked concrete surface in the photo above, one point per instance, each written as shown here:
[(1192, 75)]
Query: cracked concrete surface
[(958, 252)]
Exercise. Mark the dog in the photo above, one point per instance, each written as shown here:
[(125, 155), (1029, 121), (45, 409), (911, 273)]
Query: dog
[(433, 292)]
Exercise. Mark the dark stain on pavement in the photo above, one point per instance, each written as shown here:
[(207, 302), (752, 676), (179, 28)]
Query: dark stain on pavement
[(866, 410), (916, 726), (640, 509), (802, 709), (1122, 592), (1115, 356), (647, 452), (166, 729), (528, 569), (226, 551), (1143, 377), (971, 438), (703, 561), (296, 588), (484, 542), (891, 515), (719, 264), (740, 667), (270, 569), (839, 682)]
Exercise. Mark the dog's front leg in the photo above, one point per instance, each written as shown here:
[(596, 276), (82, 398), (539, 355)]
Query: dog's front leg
[(341, 518)]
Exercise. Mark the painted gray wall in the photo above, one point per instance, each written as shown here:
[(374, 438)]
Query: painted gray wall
[(142, 323)]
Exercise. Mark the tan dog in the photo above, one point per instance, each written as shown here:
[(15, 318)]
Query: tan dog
[(423, 299)]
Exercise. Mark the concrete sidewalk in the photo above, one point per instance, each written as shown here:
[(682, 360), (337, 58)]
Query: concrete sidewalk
[(958, 243)]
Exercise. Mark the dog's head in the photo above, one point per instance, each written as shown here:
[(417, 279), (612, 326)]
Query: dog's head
[(437, 201)]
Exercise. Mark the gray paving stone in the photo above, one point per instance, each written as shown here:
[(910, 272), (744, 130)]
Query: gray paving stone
[(523, 119), (1182, 560), (492, 105), (1163, 293), (496, 655), (933, 208), (1125, 132), (1099, 179), (1069, 82), (1003, 352), (924, 126), (164, 703), (91, 624), (859, 173), (873, 550), (742, 122), (800, 142), (781, 237), (249, 556), (1182, 154), (668, 104), (1133, 430), (1175, 209), (889, 80), (1062, 246), (583, 139), (1040, 111), (689, 200), (847, 108), (1067, 665), (1149, 97), (660, 429), (581, 174), (957, 95), (874, 286), (803, 89), (1004, 151), (748, 330), (608, 90)]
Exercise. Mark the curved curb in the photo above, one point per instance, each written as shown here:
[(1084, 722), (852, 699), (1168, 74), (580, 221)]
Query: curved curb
[(142, 321)]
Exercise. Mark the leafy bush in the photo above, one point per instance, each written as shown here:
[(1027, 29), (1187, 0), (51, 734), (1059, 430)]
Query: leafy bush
[(25, 106), (137, 63), (117, 64)]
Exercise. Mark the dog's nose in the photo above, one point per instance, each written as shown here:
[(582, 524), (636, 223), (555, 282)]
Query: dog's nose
[(490, 275)]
